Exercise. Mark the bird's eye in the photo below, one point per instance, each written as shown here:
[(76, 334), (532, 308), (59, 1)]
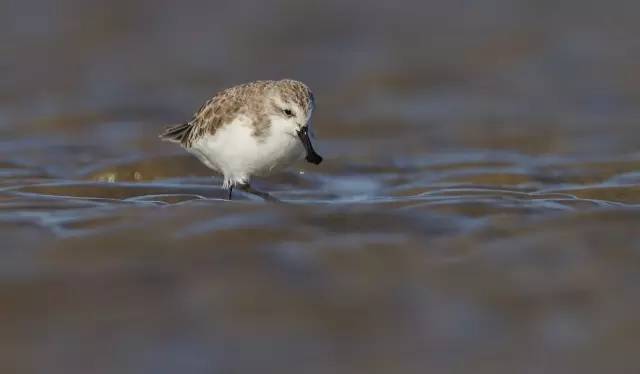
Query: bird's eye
[(288, 112)]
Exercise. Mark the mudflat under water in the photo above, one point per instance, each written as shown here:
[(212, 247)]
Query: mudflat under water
[(478, 209)]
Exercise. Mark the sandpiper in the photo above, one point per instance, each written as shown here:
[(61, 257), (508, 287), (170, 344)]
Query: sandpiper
[(251, 129)]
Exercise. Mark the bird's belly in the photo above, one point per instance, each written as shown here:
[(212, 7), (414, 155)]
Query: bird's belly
[(238, 154)]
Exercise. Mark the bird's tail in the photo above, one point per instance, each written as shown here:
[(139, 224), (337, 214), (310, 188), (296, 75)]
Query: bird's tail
[(176, 134)]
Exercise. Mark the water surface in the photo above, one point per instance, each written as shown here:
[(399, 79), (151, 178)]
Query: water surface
[(478, 208)]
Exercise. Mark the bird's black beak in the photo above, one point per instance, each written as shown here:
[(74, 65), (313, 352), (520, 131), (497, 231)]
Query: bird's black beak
[(312, 156)]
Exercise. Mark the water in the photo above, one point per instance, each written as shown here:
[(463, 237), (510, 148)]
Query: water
[(478, 208)]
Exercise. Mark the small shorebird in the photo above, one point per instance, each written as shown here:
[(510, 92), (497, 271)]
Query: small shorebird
[(251, 129)]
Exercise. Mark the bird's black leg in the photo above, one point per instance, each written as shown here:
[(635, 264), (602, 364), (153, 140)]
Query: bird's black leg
[(247, 188), (230, 191)]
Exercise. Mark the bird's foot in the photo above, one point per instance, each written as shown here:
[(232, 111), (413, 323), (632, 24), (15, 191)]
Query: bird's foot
[(246, 187)]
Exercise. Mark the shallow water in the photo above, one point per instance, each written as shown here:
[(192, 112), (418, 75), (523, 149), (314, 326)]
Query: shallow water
[(478, 208)]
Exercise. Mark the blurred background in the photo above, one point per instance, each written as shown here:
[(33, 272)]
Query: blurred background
[(478, 208)]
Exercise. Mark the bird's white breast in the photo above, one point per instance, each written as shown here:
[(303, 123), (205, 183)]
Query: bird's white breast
[(236, 152)]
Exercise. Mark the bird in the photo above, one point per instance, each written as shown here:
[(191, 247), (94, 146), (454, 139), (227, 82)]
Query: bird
[(252, 129)]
